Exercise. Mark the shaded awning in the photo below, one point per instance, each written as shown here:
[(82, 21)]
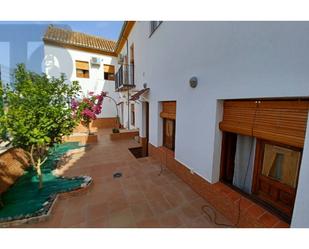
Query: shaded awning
[(139, 93)]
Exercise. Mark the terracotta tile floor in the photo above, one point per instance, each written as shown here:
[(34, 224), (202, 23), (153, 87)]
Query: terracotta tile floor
[(140, 198)]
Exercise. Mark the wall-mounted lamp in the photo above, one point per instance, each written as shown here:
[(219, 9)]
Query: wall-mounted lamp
[(193, 82)]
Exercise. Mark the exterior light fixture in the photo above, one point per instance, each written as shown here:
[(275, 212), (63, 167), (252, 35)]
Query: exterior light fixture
[(193, 82)]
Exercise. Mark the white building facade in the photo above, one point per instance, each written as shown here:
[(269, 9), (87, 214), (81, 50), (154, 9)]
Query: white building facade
[(252, 61), (84, 64)]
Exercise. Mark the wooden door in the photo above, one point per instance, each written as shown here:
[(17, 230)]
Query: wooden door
[(276, 174)]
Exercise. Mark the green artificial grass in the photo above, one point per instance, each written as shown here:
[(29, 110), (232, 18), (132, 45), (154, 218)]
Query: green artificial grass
[(24, 199)]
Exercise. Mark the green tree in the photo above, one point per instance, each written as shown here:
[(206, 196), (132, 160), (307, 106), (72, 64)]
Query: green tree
[(38, 114), (1, 111)]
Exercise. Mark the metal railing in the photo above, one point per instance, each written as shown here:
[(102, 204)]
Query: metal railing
[(125, 76)]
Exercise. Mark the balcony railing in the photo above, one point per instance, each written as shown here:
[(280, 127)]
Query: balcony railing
[(124, 78)]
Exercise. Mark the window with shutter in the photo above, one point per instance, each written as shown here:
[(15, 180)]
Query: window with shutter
[(168, 110), (169, 133), (280, 121), (279, 128), (109, 72), (82, 69), (168, 115)]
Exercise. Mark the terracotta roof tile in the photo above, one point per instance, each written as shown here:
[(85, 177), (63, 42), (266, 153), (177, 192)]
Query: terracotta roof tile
[(68, 37)]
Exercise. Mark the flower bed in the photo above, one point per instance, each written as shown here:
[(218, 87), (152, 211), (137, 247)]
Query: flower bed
[(24, 201)]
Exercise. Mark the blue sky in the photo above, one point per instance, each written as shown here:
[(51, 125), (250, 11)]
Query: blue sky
[(107, 29), (21, 42)]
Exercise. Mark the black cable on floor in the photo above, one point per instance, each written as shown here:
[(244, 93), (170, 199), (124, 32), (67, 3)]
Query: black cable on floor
[(214, 218)]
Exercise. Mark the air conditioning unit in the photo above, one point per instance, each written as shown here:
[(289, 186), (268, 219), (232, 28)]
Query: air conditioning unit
[(120, 59), (95, 61)]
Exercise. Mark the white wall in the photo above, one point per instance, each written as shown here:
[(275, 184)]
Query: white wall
[(231, 60), (122, 97), (300, 213), (62, 60)]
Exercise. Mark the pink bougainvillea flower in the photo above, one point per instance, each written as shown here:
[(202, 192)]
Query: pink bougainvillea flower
[(97, 109), (74, 105), (100, 98), (88, 113), (88, 108)]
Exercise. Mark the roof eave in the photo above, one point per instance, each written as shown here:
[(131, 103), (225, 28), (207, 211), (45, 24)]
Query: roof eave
[(76, 47), (124, 34)]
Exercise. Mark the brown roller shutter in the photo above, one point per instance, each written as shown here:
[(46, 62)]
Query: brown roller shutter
[(282, 121), (109, 68), (82, 65), (238, 116), (168, 110)]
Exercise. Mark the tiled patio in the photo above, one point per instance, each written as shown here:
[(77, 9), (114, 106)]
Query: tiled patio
[(140, 198)]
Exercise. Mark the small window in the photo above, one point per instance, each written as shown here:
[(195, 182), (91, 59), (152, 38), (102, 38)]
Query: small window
[(109, 72), (132, 115), (153, 26), (82, 69), (169, 133)]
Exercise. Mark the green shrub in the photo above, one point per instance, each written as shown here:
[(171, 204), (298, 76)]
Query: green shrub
[(38, 113)]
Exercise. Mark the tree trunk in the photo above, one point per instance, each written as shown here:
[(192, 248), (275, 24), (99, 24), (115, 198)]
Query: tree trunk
[(38, 164), (39, 173)]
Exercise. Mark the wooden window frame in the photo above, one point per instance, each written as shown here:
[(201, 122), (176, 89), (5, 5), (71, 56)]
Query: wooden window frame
[(257, 172), (174, 133), (228, 150), (109, 75), (85, 72)]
